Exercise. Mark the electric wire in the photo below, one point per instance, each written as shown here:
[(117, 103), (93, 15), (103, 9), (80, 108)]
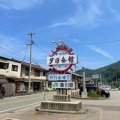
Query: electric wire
[(11, 33), (97, 43), (46, 43), (25, 53), (21, 24), (13, 19), (10, 51)]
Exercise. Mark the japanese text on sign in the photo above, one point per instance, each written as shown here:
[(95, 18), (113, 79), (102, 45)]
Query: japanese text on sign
[(62, 59), (70, 85), (59, 77)]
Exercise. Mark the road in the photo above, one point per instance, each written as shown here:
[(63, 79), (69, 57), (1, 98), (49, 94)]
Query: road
[(23, 108), (14, 103)]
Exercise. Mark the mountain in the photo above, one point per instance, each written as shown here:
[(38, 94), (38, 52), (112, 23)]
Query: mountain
[(109, 73)]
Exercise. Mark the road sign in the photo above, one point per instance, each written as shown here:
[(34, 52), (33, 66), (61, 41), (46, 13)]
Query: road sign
[(96, 76), (70, 85), (54, 77)]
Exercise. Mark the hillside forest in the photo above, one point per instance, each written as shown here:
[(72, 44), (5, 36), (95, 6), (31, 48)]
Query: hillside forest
[(110, 74)]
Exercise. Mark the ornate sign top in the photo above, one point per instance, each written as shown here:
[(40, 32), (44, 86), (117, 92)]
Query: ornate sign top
[(62, 59)]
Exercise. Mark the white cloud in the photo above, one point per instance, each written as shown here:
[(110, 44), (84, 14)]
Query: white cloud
[(105, 54), (19, 4), (115, 13), (84, 16), (75, 40), (72, 39)]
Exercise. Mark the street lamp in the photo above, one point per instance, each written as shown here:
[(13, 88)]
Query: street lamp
[(55, 42), (60, 41)]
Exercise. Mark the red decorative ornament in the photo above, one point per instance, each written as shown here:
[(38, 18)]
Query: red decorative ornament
[(62, 50)]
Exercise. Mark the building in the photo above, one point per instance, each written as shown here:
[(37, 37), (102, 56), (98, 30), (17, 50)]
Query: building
[(14, 76), (38, 76)]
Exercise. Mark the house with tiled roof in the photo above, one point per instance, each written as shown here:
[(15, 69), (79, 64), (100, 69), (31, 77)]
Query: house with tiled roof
[(14, 76)]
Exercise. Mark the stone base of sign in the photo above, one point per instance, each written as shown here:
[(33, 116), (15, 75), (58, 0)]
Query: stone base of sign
[(62, 98), (61, 107)]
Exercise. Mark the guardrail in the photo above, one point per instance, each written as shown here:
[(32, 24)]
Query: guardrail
[(74, 93)]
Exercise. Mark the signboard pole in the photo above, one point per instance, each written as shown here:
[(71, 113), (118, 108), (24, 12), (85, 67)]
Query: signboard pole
[(44, 94), (44, 91)]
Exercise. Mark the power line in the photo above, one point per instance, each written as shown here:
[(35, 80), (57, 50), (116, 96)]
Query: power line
[(12, 34), (11, 51), (27, 28), (16, 21), (25, 53), (20, 56), (13, 19), (96, 43)]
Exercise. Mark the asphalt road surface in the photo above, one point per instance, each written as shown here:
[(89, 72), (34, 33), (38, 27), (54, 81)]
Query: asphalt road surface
[(14, 103), (23, 108)]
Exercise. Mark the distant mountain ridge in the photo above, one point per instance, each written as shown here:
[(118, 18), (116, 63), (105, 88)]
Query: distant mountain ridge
[(109, 73)]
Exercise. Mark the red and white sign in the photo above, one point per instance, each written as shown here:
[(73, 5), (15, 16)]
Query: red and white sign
[(62, 59)]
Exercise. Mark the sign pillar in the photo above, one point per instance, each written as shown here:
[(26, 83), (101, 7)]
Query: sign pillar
[(84, 93)]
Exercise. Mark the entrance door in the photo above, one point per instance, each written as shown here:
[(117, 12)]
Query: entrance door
[(36, 86)]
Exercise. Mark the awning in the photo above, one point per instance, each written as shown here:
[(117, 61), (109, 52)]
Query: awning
[(3, 81), (40, 80)]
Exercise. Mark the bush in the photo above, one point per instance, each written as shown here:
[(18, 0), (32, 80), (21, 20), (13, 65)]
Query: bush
[(94, 95), (49, 89)]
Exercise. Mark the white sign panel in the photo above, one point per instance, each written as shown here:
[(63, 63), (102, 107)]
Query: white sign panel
[(96, 76), (59, 77), (62, 59), (63, 85)]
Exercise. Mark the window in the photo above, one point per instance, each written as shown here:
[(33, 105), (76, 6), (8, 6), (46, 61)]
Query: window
[(27, 71), (4, 65), (44, 73), (36, 73), (14, 68)]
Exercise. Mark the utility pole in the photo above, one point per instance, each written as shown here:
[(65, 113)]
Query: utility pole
[(31, 42)]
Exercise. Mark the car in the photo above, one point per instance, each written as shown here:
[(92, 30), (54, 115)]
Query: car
[(104, 92), (106, 87)]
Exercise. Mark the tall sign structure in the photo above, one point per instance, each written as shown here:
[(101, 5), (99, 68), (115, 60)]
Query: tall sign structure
[(61, 61)]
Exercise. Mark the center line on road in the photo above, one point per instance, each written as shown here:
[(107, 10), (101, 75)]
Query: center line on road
[(20, 107), (21, 100)]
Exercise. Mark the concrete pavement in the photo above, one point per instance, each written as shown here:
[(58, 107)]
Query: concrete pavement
[(108, 109), (31, 114)]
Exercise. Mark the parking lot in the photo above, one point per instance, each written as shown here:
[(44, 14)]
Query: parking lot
[(109, 109)]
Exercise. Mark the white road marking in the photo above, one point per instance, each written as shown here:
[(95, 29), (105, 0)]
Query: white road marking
[(20, 107)]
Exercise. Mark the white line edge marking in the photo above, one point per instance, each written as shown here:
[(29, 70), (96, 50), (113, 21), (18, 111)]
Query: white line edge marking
[(19, 107)]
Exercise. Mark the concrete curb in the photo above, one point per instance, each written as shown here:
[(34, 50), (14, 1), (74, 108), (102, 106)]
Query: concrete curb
[(83, 110), (88, 98)]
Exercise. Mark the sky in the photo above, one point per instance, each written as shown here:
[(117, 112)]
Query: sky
[(90, 27)]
